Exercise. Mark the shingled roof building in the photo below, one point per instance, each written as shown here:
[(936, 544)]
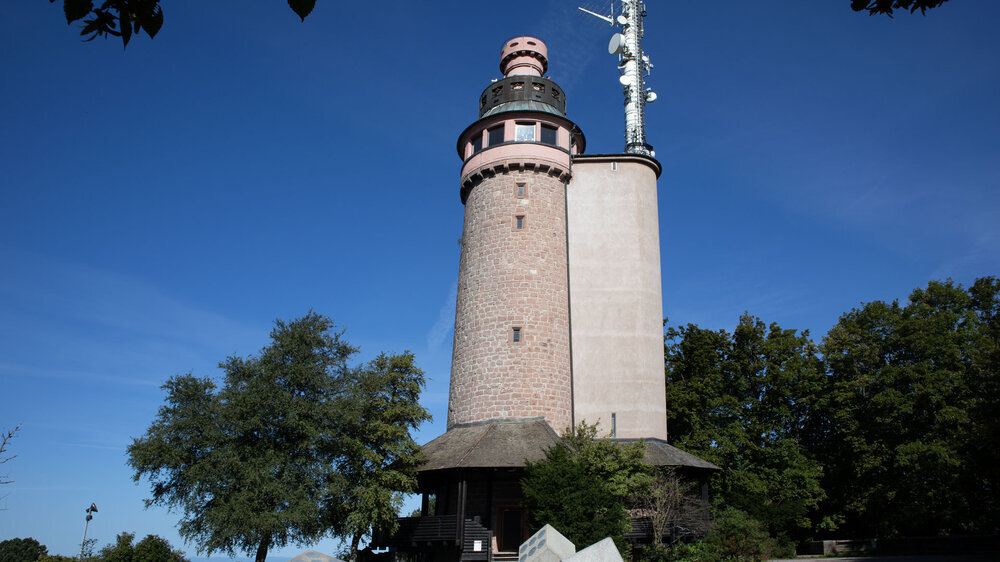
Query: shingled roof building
[(559, 311)]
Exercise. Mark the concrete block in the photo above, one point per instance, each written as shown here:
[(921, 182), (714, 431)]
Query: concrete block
[(547, 545), (603, 551)]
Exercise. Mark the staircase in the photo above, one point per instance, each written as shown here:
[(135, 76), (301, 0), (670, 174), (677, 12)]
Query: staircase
[(476, 533), (505, 557)]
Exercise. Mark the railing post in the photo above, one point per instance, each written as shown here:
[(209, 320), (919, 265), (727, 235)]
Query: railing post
[(460, 532)]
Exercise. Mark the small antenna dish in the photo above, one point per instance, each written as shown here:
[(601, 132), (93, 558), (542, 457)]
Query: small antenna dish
[(616, 44), (650, 97), (622, 20), (624, 80)]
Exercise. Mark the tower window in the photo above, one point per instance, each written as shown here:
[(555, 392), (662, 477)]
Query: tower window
[(516, 335), (517, 85), (519, 221), (522, 189), (524, 132), (495, 136), (549, 135), (477, 143)]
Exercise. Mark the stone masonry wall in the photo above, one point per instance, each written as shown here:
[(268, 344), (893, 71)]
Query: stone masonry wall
[(510, 277)]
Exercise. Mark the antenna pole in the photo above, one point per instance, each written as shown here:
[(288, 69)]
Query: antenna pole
[(634, 66), (596, 15)]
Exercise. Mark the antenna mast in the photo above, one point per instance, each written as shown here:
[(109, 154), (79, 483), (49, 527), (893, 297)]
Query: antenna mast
[(633, 67)]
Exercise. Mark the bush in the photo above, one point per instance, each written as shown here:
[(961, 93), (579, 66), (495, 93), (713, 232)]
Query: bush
[(737, 536)]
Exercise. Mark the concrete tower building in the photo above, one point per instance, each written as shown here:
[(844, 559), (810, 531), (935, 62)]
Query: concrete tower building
[(558, 318)]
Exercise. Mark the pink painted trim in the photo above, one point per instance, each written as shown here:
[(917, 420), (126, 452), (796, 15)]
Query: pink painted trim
[(508, 153)]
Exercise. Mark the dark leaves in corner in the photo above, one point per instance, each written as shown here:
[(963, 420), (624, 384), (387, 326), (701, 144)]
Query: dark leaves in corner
[(887, 6), (76, 9), (302, 7), (150, 18)]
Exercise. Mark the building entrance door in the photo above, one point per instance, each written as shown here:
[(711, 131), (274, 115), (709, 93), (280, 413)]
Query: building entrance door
[(510, 535)]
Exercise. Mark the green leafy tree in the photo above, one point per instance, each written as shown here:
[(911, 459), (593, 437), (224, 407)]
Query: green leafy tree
[(583, 485), (154, 548), (271, 457), (119, 551), (380, 407), (744, 401), (909, 441), (150, 549), (21, 550)]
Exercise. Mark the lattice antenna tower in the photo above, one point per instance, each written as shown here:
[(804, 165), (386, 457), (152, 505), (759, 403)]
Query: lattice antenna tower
[(633, 67)]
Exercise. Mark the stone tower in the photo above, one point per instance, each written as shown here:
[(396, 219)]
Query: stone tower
[(512, 356), (558, 318)]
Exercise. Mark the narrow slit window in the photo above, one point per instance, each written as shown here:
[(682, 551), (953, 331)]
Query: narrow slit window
[(521, 189), (516, 335), (519, 222)]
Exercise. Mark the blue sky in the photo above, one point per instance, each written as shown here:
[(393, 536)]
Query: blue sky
[(161, 206)]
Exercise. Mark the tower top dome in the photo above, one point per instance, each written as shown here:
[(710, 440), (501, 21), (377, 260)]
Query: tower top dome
[(524, 56)]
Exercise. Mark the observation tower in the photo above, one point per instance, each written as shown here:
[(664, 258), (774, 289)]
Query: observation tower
[(558, 317)]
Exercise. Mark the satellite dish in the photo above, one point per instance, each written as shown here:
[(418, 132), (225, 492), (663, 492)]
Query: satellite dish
[(624, 80), (650, 97), (616, 44), (622, 20)]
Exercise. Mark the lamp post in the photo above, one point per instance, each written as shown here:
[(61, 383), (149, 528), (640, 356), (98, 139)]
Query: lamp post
[(90, 510)]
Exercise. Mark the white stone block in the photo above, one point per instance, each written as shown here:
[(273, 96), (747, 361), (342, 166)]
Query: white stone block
[(547, 545), (603, 551)]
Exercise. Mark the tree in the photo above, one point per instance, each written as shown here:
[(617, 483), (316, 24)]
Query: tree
[(744, 401), (21, 550), (273, 456), (672, 504), (5, 438), (124, 18), (887, 6), (583, 485), (119, 551), (380, 407), (154, 548), (910, 416), (150, 549)]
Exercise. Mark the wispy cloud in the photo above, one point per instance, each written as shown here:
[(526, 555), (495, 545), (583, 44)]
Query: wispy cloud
[(11, 371), (437, 336), (78, 322)]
